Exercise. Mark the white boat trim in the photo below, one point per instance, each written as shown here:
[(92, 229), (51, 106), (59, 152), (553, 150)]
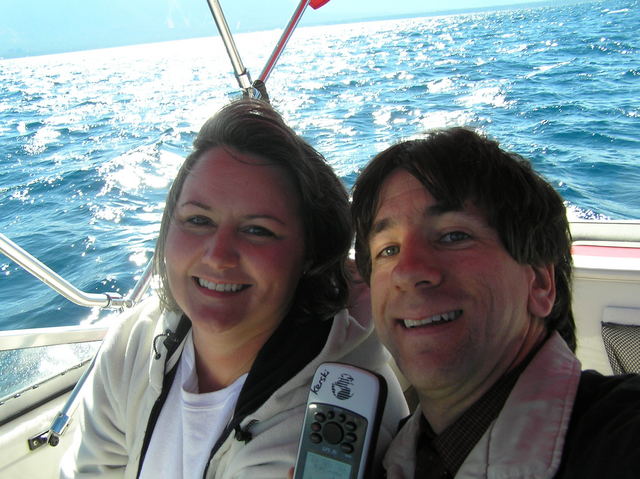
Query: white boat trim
[(37, 337)]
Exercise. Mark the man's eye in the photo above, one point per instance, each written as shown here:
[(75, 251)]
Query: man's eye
[(454, 237), (388, 251)]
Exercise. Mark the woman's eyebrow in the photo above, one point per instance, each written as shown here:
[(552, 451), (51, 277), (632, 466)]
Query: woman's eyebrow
[(195, 203), (266, 217), (256, 216)]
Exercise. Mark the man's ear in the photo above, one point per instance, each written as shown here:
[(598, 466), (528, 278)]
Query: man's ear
[(542, 291), (306, 266)]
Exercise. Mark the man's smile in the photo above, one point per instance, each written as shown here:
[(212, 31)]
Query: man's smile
[(435, 319)]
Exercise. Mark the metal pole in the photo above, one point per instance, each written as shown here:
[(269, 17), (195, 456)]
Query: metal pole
[(62, 419), (242, 75), (283, 40)]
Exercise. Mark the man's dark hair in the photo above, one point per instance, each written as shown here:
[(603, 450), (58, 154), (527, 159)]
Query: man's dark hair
[(254, 127), (457, 165)]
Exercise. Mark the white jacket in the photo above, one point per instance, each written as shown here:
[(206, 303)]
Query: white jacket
[(127, 380), (526, 440)]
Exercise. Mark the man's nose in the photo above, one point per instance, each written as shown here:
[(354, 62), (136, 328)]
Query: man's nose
[(418, 264)]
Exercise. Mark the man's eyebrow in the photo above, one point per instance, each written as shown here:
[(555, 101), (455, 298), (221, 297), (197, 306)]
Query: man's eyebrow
[(380, 226), (438, 209)]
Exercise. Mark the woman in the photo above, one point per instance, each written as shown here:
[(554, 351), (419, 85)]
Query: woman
[(212, 379)]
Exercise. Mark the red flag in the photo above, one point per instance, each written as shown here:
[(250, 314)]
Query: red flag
[(315, 4)]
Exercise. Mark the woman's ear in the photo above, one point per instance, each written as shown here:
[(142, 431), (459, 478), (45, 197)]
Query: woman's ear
[(542, 291)]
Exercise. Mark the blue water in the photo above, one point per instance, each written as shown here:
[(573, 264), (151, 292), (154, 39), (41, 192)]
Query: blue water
[(90, 141)]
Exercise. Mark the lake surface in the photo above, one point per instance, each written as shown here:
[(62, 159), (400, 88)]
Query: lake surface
[(90, 141)]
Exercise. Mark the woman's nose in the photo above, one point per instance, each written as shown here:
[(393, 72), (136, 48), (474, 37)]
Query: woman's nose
[(221, 250)]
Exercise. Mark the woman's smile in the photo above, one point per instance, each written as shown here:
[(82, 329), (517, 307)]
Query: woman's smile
[(221, 287)]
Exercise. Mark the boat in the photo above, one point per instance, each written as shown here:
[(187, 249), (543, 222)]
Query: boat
[(36, 417)]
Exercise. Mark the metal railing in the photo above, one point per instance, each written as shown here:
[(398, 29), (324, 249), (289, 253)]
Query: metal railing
[(108, 300)]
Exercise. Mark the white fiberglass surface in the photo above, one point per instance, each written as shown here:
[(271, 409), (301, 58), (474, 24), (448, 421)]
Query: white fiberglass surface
[(28, 367)]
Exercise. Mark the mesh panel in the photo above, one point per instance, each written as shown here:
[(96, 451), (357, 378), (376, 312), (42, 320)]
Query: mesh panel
[(622, 343)]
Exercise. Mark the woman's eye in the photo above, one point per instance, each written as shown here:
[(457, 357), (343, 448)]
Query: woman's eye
[(388, 251), (258, 231), (198, 221), (454, 237)]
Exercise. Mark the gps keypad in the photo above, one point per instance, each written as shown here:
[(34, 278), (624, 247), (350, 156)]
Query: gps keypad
[(339, 430)]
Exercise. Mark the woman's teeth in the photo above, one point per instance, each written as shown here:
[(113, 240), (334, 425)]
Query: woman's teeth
[(220, 287)]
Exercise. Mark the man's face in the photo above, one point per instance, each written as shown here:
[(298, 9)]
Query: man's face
[(449, 302)]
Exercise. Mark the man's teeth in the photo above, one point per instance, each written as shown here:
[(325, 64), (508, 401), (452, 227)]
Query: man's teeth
[(438, 318), (220, 287)]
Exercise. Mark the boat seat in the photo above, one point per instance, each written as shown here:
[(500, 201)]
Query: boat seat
[(606, 295), (621, 337)]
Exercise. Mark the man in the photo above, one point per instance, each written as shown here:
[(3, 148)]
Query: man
[(467, 252)]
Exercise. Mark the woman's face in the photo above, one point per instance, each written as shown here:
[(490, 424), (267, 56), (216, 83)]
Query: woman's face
[(235, 246)]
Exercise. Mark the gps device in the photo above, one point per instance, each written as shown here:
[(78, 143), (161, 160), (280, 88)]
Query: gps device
[(341, 423)]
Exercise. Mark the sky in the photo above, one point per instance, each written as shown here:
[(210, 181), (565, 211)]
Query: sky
[(36, 27)]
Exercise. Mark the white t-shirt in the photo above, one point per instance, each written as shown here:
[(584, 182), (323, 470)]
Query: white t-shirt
[(189, 424)]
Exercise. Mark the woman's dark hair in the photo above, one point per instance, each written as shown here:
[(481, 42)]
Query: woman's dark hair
[(457, 165), (253, 127)]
